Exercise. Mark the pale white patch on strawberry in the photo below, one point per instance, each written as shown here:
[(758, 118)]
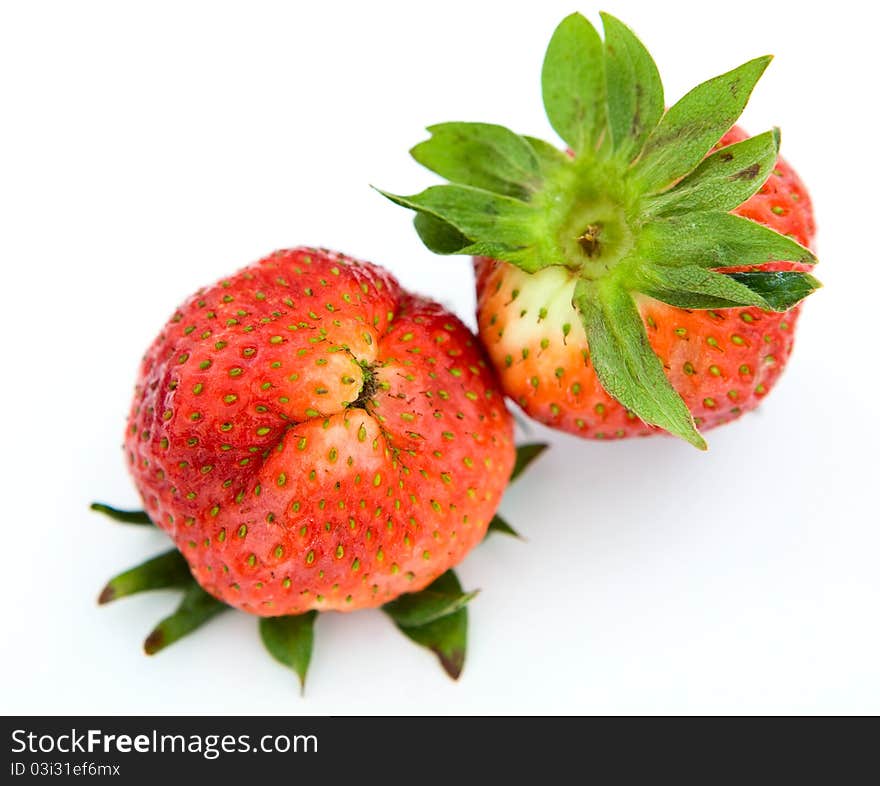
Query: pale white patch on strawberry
[(535, 307)]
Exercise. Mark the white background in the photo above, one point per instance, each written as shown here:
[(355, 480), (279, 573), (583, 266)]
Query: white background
[(150, 148)]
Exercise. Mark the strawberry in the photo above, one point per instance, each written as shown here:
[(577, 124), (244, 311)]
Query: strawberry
[(312, 437), (722, 362), (648, 279)]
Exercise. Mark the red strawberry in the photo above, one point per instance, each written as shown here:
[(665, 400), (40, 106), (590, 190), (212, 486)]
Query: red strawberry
[(313, 437), (643, 280)]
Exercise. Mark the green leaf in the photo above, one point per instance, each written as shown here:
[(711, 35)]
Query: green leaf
[(625, 363), (696, 287), (499, 525), (196, 608), (289, 640), (485, 156), (550, 158), (525, 455), (573, 83), (693, 125), (476, 213), (717, 240), (446, 637), (169, 569), (124, 516), (443, 238), (440, 599), (781, 290), (438, 236), (723, 181), (454, 216), (634, 89)]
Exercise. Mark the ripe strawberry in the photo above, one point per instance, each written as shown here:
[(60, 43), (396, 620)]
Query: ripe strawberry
[(313, 437), (641, 281)]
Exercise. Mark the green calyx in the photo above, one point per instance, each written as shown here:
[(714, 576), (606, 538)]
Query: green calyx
[(640, 206), (435, 617)]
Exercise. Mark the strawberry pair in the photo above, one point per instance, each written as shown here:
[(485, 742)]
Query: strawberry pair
[(313, 437)]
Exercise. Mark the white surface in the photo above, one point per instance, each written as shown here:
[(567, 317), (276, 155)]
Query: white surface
[(146, 151)]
